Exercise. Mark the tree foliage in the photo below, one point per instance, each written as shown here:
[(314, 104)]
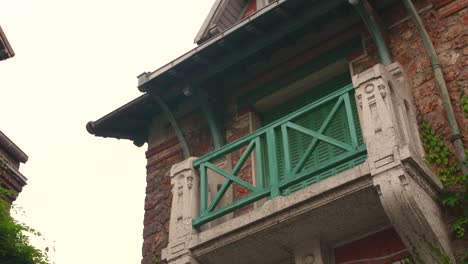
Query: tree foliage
[(15, 247)]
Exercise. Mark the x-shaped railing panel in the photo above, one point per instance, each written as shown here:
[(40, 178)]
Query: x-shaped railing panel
[(263, 145)]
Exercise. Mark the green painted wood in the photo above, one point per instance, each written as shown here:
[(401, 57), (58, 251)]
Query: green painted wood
[(229, 208), (287, 154), (272, 162), (244, 157), (230, 176), (351, 121), (219, 195), (203, 190), (317, 141), (242, 141), (324, 166), (323, 138), (259, 164), (314, 142)]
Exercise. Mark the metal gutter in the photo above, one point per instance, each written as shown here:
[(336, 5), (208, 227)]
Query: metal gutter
[(12, 148), (91, 125), (182, 70), (456, 137)]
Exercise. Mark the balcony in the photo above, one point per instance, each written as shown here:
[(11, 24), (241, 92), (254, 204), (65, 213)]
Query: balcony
[(318, 141), (343, 167)]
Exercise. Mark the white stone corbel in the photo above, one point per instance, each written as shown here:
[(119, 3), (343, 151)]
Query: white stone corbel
[(414, 214), (185, 207), (408, 190)]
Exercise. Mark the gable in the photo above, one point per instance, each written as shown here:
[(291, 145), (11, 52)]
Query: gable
[(226, 13), (223, 14)]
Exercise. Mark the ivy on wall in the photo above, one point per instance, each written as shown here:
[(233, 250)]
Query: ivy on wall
[(464, 102), (442, 161)]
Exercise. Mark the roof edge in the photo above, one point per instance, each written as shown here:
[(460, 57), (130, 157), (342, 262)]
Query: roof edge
[(19, 176), (9, 50), (12, 148), (145, 77)]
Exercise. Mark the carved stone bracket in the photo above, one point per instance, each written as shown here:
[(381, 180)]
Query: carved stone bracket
[(408, 190), (185, 191), (414, 214)]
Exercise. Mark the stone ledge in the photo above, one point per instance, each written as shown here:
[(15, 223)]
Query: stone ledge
[(282, 208)]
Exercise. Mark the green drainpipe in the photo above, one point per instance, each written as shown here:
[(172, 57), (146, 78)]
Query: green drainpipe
[(374, 29), (456, 137)]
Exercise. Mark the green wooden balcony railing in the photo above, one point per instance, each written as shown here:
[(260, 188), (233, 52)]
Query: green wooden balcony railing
[(313, 143)]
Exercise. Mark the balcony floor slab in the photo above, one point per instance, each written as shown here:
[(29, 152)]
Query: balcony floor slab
[(336, 210)]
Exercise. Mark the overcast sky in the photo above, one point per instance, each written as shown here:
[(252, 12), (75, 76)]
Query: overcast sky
[(76, 61)]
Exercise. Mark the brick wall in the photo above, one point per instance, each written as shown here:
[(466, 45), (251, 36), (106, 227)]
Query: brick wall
[(163, 151), (449, 33), (447, 25)]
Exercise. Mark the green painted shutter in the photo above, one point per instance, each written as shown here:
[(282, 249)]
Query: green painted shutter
[(298, 142)]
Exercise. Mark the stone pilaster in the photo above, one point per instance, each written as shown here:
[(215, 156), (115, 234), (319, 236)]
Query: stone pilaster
[(408, 190), (185, 207)]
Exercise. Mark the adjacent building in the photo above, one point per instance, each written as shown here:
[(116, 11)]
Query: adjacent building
[(11, 156), (6, 51), (290, 133)]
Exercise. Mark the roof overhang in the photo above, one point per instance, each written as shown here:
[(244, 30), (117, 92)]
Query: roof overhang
[(126, 122), (6, 51), (12, 149), (269, 27)]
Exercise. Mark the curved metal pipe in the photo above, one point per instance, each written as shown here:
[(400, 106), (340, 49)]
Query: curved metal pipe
[(174, 124), (456, 137), (374, 29), (213, 124)]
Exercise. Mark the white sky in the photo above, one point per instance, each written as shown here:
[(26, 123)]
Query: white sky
[(76, 61)]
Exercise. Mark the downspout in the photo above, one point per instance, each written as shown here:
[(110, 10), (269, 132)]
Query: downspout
[(175, 126), (456, 137), (374, 28)]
